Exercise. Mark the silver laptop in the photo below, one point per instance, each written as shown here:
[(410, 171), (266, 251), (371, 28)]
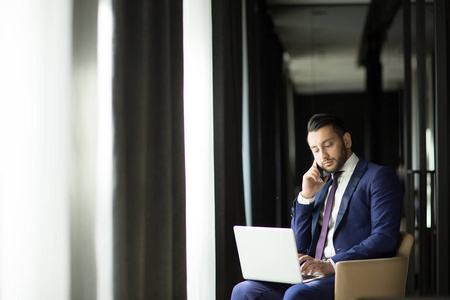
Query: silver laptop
[(268, 254)]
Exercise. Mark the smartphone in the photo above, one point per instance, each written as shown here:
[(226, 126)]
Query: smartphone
[(323, 173)]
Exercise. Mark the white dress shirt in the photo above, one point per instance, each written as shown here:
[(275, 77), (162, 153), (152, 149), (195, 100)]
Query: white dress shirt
[(343, 180)]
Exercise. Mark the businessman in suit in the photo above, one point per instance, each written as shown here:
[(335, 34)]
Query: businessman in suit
[(352, 213)]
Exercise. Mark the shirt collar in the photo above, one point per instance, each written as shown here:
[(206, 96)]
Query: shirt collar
[(349, 165)]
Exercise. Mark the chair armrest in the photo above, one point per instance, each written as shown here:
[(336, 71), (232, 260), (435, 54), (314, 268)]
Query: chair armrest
[(382, 277)]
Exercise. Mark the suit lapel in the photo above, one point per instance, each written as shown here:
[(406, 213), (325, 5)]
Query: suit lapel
[(359, 171)]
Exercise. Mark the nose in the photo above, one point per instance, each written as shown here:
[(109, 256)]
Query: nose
[(324, 155)]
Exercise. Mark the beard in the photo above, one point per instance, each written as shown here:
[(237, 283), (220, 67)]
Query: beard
[(340, 161)]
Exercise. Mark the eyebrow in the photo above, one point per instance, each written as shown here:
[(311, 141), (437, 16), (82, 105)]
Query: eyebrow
[(325, 141)]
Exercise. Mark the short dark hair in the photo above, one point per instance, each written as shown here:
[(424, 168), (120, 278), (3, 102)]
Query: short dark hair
[(320, 120)]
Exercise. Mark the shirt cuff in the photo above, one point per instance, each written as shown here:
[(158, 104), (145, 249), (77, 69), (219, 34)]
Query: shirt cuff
[(333, 264), (304, 201)]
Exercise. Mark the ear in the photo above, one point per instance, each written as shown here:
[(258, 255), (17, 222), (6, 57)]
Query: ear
[(347, 140)]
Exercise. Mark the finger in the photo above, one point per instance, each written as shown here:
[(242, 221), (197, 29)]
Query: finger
[(314, 175), (304, 268), (317, 177), (307, 271), (315, 170), (308, 268), (313, 268), (305, 258)]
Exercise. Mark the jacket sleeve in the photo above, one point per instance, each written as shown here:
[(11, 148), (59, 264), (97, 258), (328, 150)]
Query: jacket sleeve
[(301, 224), (383, 196)]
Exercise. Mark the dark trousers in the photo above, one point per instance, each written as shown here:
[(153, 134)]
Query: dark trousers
[(321, 289)]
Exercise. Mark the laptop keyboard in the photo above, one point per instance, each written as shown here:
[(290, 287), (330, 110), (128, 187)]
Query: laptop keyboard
[(306, 277)]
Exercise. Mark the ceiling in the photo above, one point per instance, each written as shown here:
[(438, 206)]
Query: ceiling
[(322, 40)]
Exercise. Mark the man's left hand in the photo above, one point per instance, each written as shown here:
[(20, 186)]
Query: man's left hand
[(311, 266)]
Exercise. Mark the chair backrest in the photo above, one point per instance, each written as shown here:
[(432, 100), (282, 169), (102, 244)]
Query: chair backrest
[(404, 245)]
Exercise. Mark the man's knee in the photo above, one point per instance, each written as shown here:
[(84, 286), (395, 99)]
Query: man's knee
[(320, 289), (240, 291), (251, 290), (296, 292)]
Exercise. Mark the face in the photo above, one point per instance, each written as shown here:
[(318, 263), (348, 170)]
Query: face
[(330, 150)]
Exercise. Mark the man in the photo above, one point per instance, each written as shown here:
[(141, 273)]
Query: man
[(364, 214)]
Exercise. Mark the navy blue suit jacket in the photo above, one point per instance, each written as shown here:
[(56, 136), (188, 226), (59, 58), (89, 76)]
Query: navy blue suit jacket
[(368, 220)]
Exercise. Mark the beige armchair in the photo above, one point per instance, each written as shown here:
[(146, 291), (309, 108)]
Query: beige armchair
[(375, 278)]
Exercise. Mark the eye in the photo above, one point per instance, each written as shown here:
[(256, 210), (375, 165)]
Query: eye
[(329, 145)]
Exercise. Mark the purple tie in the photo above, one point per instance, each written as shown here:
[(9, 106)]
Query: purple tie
[(326, 217)]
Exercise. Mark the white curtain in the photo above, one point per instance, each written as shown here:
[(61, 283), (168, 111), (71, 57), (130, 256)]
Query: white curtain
[(35, 79), (105, 170), (54, 189), (198, 114), (246, 121)]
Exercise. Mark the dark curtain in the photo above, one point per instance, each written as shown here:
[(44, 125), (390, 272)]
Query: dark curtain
[(149, 197), (271, 186), (227, 95)]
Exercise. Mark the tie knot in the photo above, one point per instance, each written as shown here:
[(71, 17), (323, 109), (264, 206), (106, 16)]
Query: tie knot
[(337, 174)]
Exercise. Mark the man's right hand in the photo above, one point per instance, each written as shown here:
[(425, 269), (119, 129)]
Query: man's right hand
[(312, 182)]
